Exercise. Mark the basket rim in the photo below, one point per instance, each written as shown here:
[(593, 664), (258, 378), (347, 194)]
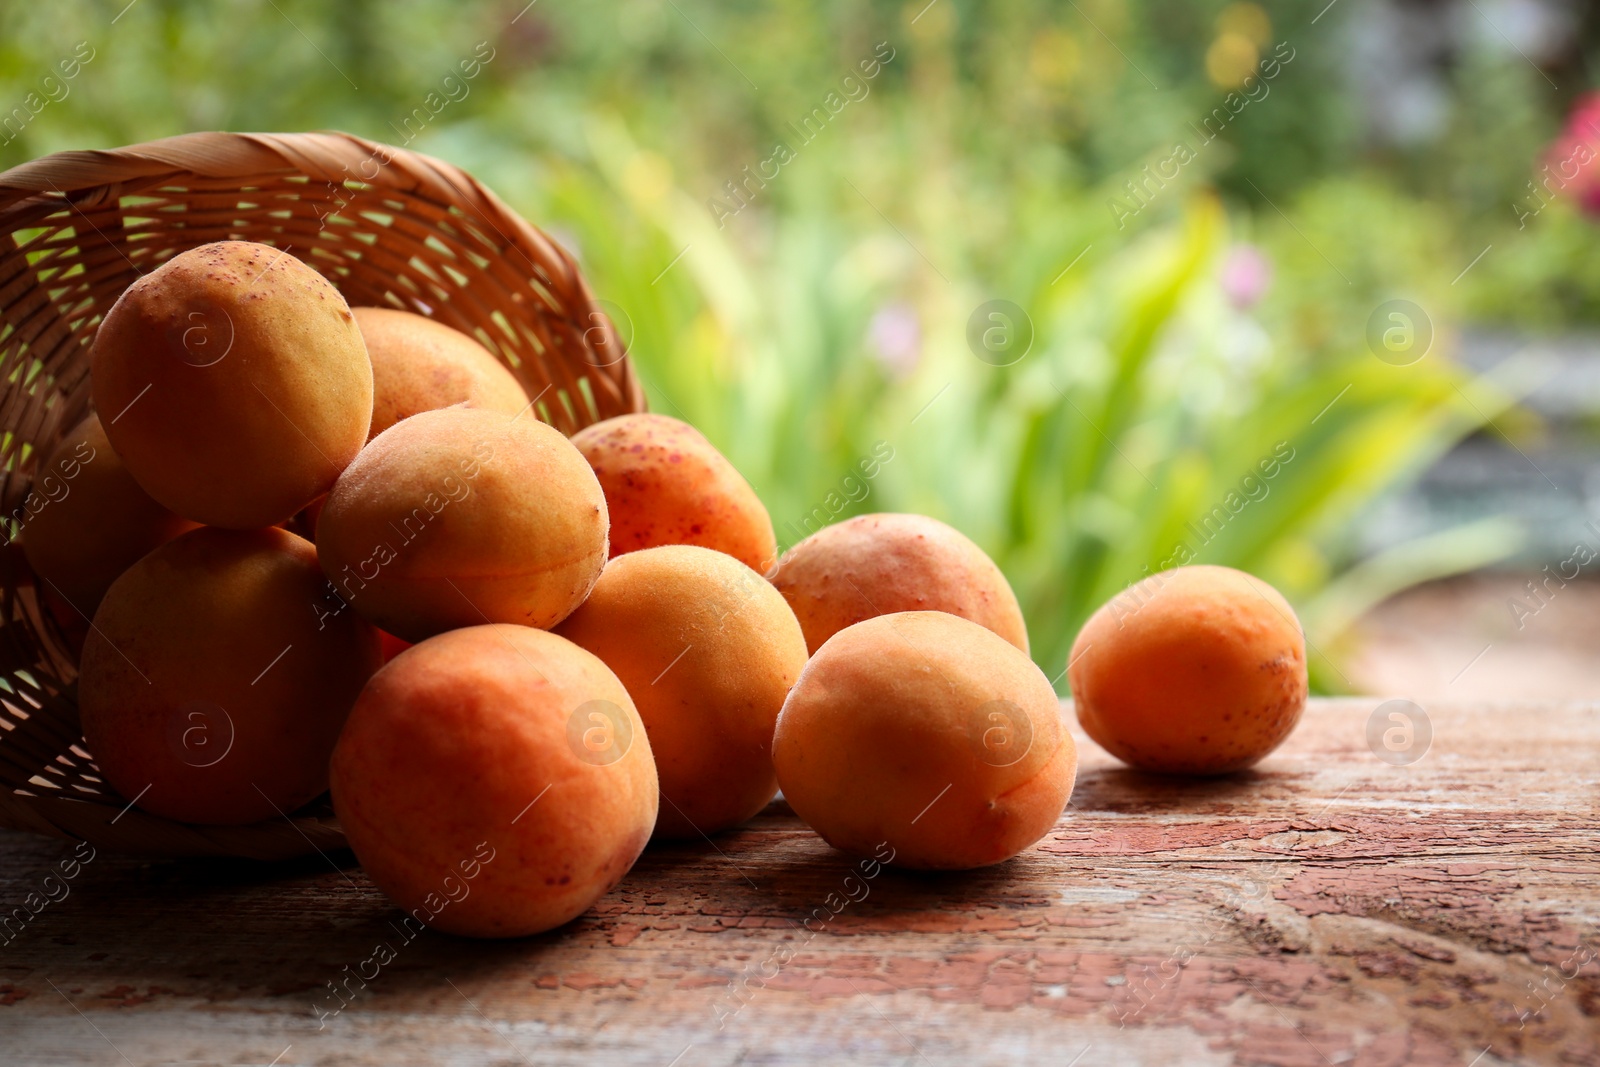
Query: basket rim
[(229, 154)]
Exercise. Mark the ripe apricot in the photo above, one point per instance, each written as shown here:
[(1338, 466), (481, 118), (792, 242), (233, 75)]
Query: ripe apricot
[(928, 734), (234, 384), (495, 781), (879, 564), (421, 365), (709, 650), (462, 516), (1196, 670), (667, 485), (211, 691), (86, 520)]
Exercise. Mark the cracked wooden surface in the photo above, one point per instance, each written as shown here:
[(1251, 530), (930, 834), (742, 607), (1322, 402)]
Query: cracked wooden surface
[(1327, 908)]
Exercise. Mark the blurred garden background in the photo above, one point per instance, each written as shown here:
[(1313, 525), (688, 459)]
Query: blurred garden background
[(1308, 289)]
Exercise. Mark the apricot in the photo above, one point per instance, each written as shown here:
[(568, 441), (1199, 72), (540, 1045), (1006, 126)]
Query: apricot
[(461, 516), (495, 781), (234, 384), (86, 520), (879, 564), (421, 365), (667, 485), (709, 650), (211, 690), (1196, 670), (927, 738)]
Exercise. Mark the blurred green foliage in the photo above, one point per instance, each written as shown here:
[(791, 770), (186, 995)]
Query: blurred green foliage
[(825, 318)]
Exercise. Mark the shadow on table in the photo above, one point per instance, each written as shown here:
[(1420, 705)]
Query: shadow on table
[(224, 928), (220, 929), (801, 876), (1123, 789)]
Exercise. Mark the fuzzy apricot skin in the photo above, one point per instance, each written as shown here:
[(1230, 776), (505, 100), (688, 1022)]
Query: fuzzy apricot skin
[(235, 384), (709, 651), (879, 564), (929, 734), (1198, 670), (90, 521), (422, 365), (211, 690), (667, 485), (456, 517), (462, 748)]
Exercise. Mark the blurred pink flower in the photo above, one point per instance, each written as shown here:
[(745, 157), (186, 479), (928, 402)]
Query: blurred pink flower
[(896, 338), (1585, 117), (1570, 163), (1246, 275)]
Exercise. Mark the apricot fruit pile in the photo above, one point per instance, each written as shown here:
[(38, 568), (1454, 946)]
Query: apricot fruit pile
[(303, 549)]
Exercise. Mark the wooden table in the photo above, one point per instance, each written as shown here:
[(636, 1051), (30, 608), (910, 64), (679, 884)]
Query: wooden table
[(1326, 909)]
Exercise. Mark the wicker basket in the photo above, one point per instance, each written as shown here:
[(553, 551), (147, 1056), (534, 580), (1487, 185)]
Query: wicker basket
[(388, 227)]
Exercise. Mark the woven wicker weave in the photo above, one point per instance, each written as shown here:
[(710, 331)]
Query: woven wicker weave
[(387, 226)]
